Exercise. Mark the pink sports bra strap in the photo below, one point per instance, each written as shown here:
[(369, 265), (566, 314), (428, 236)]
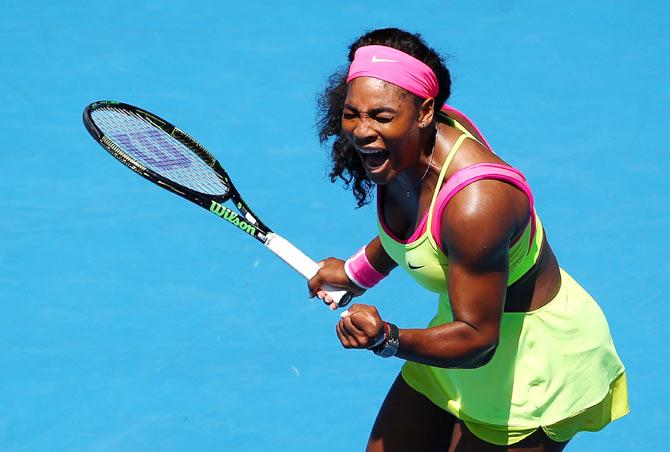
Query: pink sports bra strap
[(473, 173), (479, 135)]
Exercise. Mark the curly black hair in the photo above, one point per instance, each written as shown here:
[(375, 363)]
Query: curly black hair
[(346, 165)]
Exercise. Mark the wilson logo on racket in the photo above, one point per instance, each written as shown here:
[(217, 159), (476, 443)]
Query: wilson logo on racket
[(232, 217)]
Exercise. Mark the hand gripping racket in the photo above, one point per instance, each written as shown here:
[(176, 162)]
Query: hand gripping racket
[(168, 157)]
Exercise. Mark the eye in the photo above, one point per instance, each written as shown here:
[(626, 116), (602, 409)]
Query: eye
[(383, 119), (348, 115)]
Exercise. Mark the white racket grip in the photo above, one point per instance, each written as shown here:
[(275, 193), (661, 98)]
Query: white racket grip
[(300, 263)]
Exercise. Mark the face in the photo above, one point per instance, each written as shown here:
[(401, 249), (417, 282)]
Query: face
[(381, 121)]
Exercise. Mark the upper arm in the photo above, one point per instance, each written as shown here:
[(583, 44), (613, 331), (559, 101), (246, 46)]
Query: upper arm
[(477, 226)]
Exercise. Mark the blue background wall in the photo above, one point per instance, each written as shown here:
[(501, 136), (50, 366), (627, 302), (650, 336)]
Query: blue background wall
[(132, 321)]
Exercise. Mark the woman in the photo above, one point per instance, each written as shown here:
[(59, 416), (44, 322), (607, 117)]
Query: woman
[(518, 356)]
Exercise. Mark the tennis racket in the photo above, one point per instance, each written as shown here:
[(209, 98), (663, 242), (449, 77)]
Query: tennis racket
[(168, 157)]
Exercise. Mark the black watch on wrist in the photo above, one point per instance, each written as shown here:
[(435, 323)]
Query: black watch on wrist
[(390, 345)]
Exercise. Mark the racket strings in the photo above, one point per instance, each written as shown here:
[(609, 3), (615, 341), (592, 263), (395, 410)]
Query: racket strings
[(157, 150)]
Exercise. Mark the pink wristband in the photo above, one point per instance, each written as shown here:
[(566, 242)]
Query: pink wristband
[(361, 272)]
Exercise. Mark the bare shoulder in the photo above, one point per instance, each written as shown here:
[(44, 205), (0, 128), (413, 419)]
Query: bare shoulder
[(487, 213), (481, 220)]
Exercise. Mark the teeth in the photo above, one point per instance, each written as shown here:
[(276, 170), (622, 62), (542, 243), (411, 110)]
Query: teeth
[(370, 150)]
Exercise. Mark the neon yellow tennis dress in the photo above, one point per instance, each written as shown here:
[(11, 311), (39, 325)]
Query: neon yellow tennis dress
[(555, 368)]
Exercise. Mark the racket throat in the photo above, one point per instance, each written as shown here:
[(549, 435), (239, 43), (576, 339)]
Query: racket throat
[(233, 218)]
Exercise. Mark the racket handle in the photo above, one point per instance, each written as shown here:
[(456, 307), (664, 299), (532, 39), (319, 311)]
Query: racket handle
[(302, 264)]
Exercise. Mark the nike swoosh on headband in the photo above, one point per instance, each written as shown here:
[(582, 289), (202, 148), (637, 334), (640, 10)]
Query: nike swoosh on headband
[(382, 60), (413, 267), (396, 67)]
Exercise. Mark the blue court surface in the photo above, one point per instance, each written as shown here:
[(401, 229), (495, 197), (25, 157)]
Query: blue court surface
[(134, 321)]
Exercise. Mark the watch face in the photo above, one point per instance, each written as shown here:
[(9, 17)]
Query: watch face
[(388, 351)]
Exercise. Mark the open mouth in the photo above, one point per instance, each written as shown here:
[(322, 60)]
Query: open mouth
[(373, 158)]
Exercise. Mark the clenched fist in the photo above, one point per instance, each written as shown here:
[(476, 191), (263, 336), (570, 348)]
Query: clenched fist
[(360, 327)]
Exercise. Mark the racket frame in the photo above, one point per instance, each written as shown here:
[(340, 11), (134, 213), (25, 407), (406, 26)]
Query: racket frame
[(213, 203)]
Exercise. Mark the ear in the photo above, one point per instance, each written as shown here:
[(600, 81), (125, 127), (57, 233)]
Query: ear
[(426, 111)]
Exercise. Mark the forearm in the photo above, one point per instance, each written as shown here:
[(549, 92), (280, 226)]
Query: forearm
[(452, 345), (378, 257)]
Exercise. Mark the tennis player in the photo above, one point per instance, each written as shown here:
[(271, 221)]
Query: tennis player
[(518, 356)]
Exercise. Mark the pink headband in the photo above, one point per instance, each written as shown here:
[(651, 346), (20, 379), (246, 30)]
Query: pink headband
[(405, 71), (394, 66)]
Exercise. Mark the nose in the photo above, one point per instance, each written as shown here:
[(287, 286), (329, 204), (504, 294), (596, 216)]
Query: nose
[(363, 132)]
